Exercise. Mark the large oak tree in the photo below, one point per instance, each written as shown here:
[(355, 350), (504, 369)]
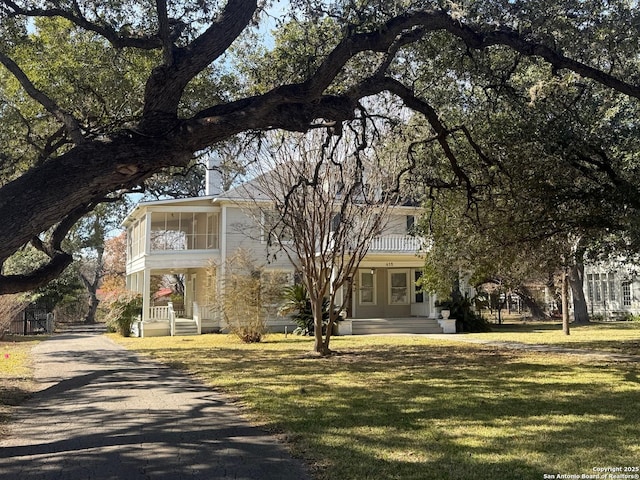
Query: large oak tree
[(136, 104)]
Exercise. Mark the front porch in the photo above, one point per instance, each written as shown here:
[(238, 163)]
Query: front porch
[(163, 321)]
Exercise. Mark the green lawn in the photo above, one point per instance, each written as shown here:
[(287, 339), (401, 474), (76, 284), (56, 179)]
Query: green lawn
[(417, 408), (617, 337), (15, 374)]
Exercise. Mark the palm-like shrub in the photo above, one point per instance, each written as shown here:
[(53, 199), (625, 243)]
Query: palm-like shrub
[(298, 306)]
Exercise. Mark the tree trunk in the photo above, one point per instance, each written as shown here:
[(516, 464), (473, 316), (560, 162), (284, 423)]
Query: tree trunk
[(565, 302), (92, 286), (90, 317), (319, 345), (576, 280)]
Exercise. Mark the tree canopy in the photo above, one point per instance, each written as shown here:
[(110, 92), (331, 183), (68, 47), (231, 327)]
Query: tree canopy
[(98, 96)]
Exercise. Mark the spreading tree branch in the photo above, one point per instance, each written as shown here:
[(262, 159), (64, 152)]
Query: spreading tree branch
[(71, 124), (114, 37)]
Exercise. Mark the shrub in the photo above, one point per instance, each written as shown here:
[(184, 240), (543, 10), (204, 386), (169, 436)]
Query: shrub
[(298, 306), (251, 295), (466, 319), (123, 308)]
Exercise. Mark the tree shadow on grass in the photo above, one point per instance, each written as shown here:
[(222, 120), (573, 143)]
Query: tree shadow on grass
[(438, 412)]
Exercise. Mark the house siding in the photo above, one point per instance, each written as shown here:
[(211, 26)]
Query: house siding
[(243, 232)]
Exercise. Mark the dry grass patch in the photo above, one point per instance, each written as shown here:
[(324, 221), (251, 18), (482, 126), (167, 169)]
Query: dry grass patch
[(616, 337), (15, 374), (415, 408)]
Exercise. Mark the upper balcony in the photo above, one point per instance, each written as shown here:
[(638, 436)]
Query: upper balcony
[(173, 232), (396, 244)]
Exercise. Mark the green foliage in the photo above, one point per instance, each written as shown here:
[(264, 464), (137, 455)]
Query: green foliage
[(298, 306), (122, 309), (299, 49), (57, 57), (466, 319), (63, 291)]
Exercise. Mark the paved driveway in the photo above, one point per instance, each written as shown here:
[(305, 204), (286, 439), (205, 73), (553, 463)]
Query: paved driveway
[(105, 413)]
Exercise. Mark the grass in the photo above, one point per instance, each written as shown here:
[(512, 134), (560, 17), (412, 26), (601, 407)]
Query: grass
[(617, 337), (16, 375), (416, 408)]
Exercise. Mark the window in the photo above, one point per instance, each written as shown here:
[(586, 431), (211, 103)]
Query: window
[(398, 287), (273, 229), (612, 286), (184, 230), (367, 287), (213, 225), (626, 294), (411, 222), (603, 283), (596, 285), (335, 222), (419, 298), (590, 286)]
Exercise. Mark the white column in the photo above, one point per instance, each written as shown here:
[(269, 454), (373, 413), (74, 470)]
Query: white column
[(223, 249), (146, 294), (432, 306), (147, 232)]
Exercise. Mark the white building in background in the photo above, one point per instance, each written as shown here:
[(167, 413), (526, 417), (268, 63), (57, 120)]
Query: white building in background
[(611, 290)]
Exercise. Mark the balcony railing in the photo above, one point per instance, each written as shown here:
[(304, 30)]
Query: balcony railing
[(396, 243), (177, 241)]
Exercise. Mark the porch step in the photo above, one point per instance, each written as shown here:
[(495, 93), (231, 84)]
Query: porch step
[(185, 326), (381, 326)]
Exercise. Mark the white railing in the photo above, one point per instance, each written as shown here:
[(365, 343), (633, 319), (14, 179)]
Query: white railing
[(159, 313), (396, 243), (163, 314)]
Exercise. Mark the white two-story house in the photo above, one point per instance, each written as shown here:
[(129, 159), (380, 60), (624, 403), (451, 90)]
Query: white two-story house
[(188, 236)]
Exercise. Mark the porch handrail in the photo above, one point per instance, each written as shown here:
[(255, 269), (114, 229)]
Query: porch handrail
[(158, 313), (196, 317), (172, 319)]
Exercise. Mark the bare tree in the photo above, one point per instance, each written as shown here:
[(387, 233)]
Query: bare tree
[(321, 204)]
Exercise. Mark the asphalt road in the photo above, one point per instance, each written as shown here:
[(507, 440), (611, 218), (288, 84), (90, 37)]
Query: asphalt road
[(105, 413)]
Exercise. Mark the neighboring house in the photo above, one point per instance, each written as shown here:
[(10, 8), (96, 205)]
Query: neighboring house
[(611, 290), (190, 236)]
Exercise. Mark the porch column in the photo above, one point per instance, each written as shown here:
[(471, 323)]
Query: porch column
[(432, 306), (146, 294), (220, 275)]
